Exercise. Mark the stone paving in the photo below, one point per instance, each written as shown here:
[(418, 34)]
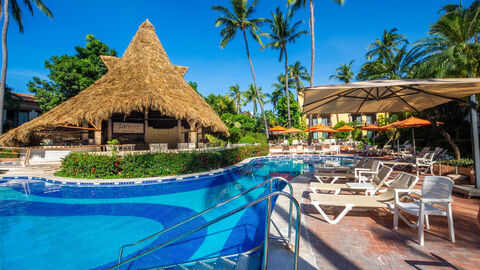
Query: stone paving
[(367, 240)]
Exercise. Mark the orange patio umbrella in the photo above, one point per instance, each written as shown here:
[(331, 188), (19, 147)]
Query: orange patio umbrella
[(315, 127), (324, 129), (345, 128), (277, 128), (374, 128), (292, 130), (413, 122)]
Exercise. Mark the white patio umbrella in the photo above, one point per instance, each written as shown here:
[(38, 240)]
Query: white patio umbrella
[(396, 96)]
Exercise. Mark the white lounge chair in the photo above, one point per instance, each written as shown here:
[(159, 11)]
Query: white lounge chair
[(361, 174), (435, 200), (369, 188), (403, 181)]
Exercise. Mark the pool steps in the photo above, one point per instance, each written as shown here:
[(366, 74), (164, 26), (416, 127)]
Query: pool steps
[(243, 261), (268, 198)]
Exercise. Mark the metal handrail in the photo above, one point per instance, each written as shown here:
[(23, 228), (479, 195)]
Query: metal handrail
[(241, 208), (255, 249), (269, 181)]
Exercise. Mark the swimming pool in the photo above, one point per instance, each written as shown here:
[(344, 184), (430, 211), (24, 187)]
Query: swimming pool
[(54, 226)]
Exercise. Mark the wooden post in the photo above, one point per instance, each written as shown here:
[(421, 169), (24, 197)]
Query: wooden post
[(192, 135), (85, 133), (98, 133), (110, 129), (145, 127), (179, 131)]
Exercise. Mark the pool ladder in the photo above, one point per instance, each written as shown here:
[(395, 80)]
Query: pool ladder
[(267, 197)]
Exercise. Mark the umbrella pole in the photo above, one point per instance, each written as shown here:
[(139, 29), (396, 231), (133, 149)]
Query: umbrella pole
[(413, 138), (476, 147)]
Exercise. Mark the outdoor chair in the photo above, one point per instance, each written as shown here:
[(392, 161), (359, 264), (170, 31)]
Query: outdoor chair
[(334, 150), (403, 145), (369, 188), (360, 174), (423, 164), (360, 164), (294, 142), (192, 146), (443, 155), (309, 149), (286, 149), (435, 200), (182, 146), (318, 149), (423, 152), (348, 202)]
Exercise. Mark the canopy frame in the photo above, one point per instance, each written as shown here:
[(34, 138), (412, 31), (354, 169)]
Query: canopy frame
[(378, 96)]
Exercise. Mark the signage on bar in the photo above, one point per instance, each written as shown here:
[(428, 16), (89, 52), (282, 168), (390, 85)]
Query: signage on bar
[(122, 127)]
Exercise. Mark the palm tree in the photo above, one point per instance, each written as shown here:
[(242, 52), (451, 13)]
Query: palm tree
[(13, 7), (302, 3), (235, 93), (275, 96), (240, 19), (298, 73), (344, 73), (251, 95), (451, 50), (281, 34), (389, 58), (387, 45)]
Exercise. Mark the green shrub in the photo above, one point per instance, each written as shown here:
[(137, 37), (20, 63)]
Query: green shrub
[(85, 165), (253, 138), (463, 162), (213, 139)]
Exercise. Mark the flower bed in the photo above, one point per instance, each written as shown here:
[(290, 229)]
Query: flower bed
[(464, 166), (85, 165)]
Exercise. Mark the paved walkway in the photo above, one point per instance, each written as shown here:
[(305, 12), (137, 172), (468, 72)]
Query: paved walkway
[(366, 239)]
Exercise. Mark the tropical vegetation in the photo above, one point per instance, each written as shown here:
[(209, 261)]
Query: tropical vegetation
[(87, 165), (11, 7), (70, 74)]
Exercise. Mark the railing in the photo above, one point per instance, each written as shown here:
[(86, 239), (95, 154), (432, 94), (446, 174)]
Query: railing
[(267, 225)]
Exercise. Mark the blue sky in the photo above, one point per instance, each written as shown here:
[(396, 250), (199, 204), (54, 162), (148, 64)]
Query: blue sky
[(187, 32)]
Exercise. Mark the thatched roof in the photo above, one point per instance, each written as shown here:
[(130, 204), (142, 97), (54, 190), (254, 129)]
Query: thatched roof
[(143, 79)]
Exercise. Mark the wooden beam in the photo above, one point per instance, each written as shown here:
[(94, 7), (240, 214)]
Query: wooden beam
[(75, 127), (91, 124)]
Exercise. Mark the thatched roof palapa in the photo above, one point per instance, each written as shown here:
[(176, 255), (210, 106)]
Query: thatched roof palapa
[(143, 79)]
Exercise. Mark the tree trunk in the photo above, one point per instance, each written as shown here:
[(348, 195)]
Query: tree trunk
[(3, 78), (255, 82), (452, 143), (312, 34), (447, 137), (287, 92)]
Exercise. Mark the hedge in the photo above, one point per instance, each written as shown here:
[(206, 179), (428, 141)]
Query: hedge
[(86, 165)]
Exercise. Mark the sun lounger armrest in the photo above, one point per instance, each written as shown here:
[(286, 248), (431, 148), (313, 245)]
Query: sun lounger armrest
[(432, 200), (358, 170), (400, 190)]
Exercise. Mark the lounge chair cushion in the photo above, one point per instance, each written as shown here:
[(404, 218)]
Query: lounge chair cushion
[(357, 200)]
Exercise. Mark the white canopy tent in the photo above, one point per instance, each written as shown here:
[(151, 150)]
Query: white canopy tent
[(396, 96)]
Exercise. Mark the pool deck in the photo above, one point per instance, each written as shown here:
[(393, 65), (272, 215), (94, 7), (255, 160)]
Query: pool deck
[(362, 239), (367, 240)]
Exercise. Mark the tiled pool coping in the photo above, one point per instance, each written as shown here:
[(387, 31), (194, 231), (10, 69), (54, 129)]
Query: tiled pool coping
[(163, 179)]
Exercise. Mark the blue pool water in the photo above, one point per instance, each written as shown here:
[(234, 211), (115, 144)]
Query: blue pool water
[(54, 226)]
